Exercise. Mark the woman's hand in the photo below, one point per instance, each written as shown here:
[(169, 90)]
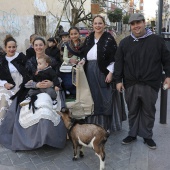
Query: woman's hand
[(109, 77), (73, 61), (82, 62), (57, 88), (8, 86), (44, 84)]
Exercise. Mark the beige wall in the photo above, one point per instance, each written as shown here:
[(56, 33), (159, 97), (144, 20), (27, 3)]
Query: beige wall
[(17, 18)]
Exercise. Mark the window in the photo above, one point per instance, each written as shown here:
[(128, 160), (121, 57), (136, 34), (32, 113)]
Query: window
[(40, 25)]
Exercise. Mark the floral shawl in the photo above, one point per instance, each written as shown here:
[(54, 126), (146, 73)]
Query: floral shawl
[(74, 50)]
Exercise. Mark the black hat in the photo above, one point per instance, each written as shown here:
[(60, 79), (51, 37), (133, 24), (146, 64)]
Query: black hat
[(52, 39), (64, 33), (136, 17)]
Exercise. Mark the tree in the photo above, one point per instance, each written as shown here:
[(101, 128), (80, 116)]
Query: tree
[(116, 15), (126, 19), (78, 13)]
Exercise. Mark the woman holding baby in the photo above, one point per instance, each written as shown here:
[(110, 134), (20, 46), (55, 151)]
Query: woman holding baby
[(38, 129)]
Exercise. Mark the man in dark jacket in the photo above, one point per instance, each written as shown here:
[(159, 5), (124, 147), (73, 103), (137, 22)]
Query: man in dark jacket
[(139, 62)]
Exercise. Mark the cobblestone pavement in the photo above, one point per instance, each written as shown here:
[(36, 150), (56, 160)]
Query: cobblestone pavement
[(136, 156)]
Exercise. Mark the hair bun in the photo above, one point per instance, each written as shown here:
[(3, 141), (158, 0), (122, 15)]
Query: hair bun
[(8, 38)]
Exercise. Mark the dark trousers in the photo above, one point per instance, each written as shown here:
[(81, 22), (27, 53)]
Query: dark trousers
[(141, 100), (67, 83), (50, 91)]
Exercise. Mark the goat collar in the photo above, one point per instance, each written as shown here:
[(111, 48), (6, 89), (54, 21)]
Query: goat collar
[(74, 122), (71, 125)]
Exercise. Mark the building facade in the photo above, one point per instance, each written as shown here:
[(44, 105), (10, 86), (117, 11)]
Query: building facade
[(23, 18), (166, 15)]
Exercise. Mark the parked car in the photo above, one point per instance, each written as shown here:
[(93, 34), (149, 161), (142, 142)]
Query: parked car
[(84, 32)]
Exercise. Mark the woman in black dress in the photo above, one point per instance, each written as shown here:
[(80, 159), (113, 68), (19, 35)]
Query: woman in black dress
[(99, 49)]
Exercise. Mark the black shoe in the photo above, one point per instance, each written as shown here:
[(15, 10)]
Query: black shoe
[(128, 140), (151, 144)]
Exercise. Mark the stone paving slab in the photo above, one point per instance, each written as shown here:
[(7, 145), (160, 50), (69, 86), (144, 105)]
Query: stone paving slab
[(136, 156)]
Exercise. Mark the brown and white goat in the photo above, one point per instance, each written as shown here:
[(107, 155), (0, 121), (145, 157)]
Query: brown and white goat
[(82, 134)]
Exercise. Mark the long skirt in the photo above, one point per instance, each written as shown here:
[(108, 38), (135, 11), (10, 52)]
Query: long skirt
[(109, 108), (13, 136), (5, 94)]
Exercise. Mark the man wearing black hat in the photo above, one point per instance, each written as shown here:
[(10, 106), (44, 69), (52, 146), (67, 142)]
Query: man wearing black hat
[(139, 62), (53, 51), (64, 39)]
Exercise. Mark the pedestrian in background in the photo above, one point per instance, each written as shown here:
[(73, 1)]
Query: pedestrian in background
[(139, 62), (99, 49), (53, 51), (30, 51), (60, 30), (64, 39)]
